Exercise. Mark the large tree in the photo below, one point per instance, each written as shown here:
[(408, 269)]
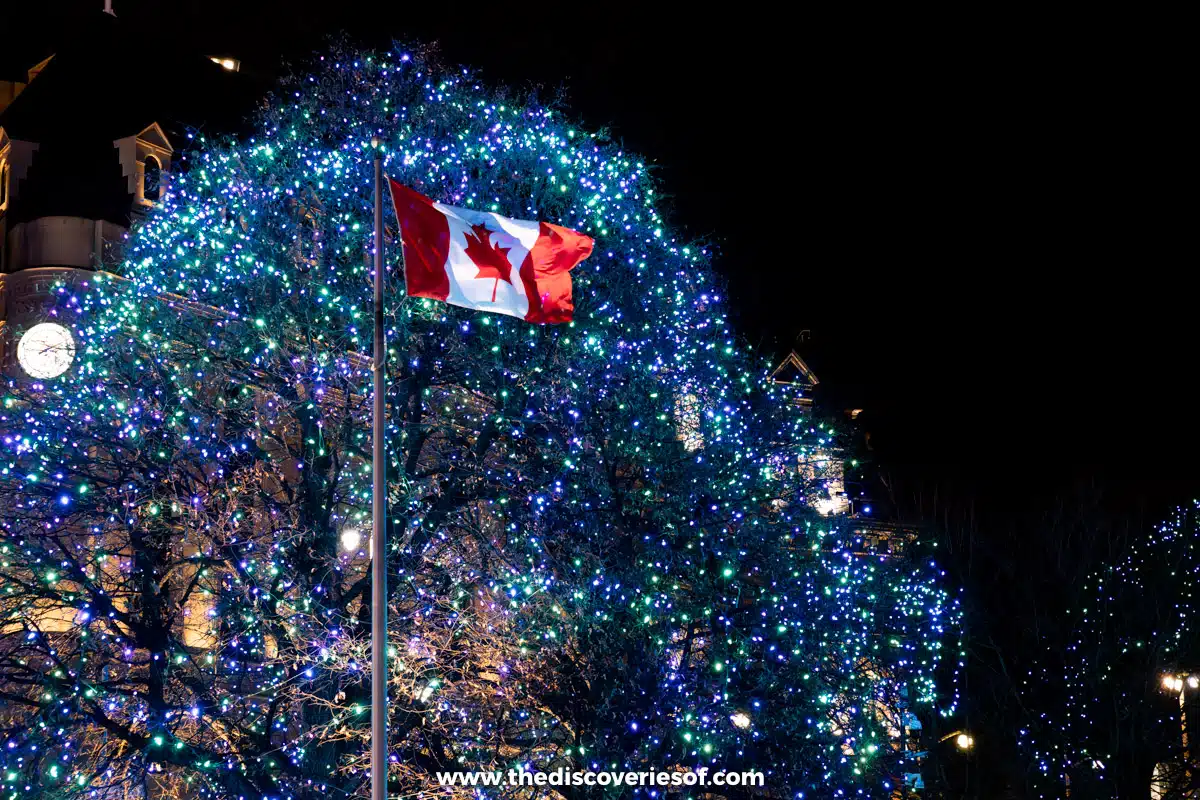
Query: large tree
[(1104, 697), (599, 549)]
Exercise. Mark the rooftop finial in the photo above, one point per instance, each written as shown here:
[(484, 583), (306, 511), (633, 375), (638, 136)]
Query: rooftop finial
[(108, 8)]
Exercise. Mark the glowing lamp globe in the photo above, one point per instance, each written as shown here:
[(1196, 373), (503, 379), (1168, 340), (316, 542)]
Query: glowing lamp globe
[(46, 350), (351, 540)]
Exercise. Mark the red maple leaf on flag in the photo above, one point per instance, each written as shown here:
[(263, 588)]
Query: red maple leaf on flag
[(491, 259)]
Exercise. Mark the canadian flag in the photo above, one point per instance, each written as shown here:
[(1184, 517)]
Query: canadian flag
[(476, 259)]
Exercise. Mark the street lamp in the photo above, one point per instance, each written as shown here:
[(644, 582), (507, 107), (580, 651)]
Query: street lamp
[(1181, 683), (965, 743), (1175, 683), (962, 740), (351, 540)]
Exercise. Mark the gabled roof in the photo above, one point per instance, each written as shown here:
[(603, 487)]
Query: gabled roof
[(153, 135), (795, 372)]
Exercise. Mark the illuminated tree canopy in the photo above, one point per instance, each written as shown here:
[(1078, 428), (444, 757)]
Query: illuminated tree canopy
[(599, 549), (1105, 712)]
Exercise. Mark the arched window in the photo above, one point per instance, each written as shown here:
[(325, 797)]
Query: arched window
[(3, 183), (151, 179)]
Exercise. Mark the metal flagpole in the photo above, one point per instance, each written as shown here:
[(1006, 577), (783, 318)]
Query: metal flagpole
[(379, 765)]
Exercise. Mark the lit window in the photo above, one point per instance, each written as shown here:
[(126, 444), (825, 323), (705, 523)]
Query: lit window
[(3, 184)]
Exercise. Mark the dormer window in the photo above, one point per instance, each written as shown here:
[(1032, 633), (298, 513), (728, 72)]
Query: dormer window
[(151, 179), (146, 159)]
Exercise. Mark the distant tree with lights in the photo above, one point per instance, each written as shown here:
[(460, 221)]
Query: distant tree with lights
[(599, 549), (1105, 713)]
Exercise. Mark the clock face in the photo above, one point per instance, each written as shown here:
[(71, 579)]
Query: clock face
[(46, 350)]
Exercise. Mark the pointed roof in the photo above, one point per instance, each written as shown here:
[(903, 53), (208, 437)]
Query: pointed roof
[(793, 371), (154, 134)]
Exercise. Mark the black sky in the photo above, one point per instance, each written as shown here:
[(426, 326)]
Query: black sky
[(981, 219)]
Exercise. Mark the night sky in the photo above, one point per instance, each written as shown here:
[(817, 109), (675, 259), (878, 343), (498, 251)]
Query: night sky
[(977, 219)]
